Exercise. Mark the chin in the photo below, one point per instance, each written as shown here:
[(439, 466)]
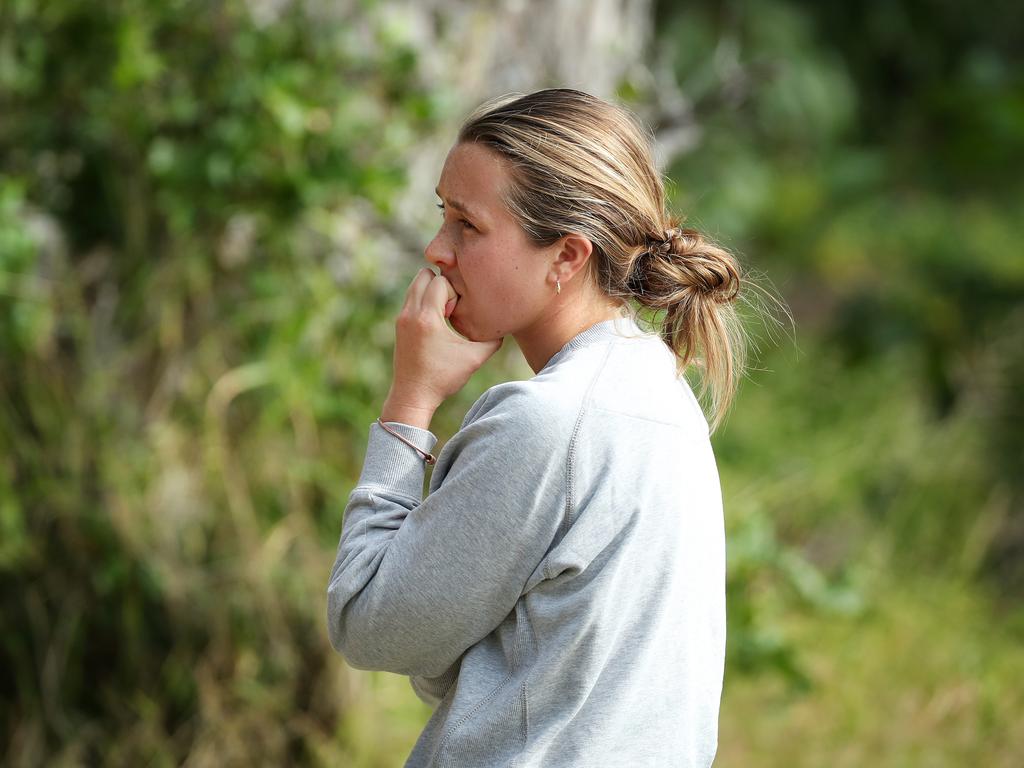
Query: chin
[(472, 334)]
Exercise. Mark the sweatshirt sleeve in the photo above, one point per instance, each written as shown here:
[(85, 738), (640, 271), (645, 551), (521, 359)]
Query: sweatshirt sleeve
[(418, 581), (431, 690)]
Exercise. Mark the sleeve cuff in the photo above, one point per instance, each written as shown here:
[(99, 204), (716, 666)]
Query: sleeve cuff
[(391, 463)]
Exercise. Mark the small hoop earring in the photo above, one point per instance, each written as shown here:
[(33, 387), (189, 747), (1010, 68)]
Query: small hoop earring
[(558, 286)]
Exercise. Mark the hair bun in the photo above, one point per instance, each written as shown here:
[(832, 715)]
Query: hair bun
[(683, 256)]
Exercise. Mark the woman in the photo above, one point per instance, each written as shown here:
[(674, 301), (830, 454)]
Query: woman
[(559, 595)]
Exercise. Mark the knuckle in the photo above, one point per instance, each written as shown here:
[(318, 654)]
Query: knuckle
[(412, 320)]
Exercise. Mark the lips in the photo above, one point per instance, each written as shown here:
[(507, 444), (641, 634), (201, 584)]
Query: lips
[(458, 293)]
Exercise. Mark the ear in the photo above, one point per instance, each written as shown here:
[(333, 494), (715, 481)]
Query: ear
[(574, 250)]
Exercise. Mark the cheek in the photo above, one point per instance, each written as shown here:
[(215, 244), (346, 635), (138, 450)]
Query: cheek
[(494, 271), (496, 283)]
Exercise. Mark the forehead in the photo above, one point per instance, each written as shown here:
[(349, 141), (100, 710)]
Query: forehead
[(475, 177)]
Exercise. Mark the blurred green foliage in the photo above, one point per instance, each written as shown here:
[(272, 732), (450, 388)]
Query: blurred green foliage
[(191, 357), (868, 163), (196, 312)]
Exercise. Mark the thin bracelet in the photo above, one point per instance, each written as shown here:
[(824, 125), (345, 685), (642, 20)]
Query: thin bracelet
[(427, 457)]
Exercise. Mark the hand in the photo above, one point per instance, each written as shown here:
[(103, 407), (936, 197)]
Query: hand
[(431, 361)]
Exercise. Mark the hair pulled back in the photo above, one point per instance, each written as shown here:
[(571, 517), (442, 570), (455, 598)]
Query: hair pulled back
[(579, 164)]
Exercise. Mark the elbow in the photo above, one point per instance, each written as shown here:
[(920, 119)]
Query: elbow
[(362, 642), (346, 635)]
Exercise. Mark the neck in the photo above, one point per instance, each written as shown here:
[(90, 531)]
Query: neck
[(566, 316)]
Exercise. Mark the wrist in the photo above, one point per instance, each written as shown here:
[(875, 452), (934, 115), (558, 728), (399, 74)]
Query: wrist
[(407, 411)]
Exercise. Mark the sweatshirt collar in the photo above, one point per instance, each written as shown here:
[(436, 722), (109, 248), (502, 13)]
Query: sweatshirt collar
[(616, 327)]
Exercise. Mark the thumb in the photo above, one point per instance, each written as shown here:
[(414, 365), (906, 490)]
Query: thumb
[(487, 348)]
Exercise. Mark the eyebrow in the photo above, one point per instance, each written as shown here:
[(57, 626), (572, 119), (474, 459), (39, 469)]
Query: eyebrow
[(461, 206)]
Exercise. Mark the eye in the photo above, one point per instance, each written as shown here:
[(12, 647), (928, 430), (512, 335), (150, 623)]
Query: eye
[(462, 221)]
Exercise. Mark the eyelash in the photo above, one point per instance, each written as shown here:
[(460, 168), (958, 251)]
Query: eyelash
[(441, 206)]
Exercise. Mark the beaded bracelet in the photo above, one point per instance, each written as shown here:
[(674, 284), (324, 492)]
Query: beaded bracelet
[(427, 457)]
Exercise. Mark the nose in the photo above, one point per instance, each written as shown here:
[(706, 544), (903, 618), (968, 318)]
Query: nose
[(439, 252)]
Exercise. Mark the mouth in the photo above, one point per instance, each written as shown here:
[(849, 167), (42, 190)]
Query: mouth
[(451, 305), (457, 291)]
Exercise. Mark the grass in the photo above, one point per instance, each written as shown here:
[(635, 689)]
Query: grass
[(929, 676)]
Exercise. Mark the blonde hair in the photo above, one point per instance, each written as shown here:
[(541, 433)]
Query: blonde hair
[(581, 164)]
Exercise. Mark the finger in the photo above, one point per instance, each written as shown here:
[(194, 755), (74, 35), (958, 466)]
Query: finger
[(414, 295), (436, 295), (486, 349)]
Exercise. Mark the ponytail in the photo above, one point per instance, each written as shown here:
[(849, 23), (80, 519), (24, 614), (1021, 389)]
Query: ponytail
[(696, 283)]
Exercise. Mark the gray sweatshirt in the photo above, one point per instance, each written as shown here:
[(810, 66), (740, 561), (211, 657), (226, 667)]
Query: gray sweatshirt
[(559, 595)]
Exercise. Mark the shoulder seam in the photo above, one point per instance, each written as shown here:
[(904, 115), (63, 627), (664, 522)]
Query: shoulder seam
[(639, 418), (570, 458)]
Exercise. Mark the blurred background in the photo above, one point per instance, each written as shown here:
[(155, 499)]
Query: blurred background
[(209, 215)]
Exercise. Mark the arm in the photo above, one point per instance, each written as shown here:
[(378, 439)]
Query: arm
[(418, 581)]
